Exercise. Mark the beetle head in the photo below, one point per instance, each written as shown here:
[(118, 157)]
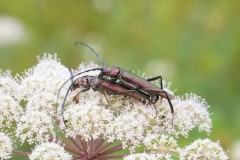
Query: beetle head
[(81, 82)]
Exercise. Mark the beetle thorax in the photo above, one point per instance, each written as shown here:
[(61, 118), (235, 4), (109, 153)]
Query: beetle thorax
[(114, 72)]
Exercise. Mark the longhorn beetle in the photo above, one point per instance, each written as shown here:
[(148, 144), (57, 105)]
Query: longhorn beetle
[(104, 86), (130, 81)]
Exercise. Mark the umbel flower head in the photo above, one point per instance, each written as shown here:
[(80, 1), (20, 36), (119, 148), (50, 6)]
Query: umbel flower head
[(49, 150), (203, 149), (5, 146), (96, 125)]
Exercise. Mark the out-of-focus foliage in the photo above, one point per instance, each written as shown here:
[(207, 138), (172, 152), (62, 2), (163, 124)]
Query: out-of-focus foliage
[(194, 44)]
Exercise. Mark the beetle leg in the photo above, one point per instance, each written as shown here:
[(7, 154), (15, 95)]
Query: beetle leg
[(161, 84), (154, 91), (155, 78), (166, 96), (104, 93), (156, 113), (171, 106), (75, 98)]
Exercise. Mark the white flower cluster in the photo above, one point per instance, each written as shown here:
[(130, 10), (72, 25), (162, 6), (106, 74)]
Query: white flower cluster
[(38, 88), (190, 112), (7, 84), (129, 127), (198, 150), (40, 84), (88, 120), (34, 126), (162, 144), (203, 149), (10, 109), (145, 156), (5, 146), (97, 119), (49, 151), (128, 123)]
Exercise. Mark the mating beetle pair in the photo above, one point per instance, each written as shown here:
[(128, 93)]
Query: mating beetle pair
[(114, 80)]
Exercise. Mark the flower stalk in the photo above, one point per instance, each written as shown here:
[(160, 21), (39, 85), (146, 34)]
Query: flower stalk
[(23, 153)]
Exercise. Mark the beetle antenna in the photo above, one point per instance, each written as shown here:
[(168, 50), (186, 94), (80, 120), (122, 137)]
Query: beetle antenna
[(63, 104), (71, 73), (98, 56), (71, 78)]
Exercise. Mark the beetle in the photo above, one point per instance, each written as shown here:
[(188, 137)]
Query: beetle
[(130, 81), (104, 86)]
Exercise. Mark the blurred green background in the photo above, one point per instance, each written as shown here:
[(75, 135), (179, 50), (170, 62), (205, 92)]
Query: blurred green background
[(193, 44)]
